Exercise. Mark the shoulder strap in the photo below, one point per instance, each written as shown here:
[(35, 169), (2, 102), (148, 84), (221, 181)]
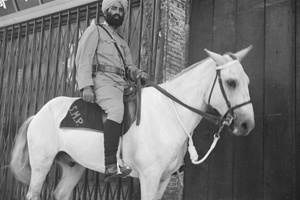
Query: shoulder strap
[(117, 47)]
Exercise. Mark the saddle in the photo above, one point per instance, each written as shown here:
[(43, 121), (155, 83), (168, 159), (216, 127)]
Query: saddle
[(87, 115)]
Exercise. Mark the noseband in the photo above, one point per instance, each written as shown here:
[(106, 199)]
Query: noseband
[(229, 115)]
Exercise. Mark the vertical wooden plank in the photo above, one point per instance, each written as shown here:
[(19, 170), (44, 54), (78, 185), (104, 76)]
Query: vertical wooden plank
[(221, 162), (196, 176), (248, 151), (297, 167), (279, 100), (200, 29)]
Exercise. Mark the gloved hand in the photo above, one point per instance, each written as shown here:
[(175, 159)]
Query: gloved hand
[(142, 74), (88, 94)]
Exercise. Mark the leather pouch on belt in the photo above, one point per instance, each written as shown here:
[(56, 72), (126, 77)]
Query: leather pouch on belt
[(130, 90)]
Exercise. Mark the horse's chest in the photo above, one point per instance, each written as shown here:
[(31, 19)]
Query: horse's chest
[(177, 159)]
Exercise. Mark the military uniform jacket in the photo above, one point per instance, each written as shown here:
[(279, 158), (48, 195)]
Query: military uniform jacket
[(97, 47)]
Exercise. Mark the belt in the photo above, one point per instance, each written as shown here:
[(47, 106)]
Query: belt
[(110, 69)]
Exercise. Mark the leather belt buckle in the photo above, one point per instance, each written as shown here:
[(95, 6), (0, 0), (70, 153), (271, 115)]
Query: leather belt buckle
[(122, 73), (96, 68)]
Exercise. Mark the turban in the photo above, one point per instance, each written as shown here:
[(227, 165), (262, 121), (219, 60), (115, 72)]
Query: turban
[(108, 3)]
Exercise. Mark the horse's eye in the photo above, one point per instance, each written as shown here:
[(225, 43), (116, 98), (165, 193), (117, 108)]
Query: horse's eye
[(231, 83)]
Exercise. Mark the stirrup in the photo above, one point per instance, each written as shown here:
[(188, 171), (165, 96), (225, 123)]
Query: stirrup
[(121, 172), (124, 171)]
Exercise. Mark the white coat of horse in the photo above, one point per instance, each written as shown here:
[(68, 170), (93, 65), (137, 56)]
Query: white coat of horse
[(155, 149)]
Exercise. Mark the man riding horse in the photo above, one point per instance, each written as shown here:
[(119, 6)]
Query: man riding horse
[(104, 65)]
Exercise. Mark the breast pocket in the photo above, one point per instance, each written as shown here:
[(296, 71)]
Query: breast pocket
[(106, 47)]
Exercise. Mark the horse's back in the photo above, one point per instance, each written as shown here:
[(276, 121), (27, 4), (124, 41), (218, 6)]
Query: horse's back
[(60, 104)]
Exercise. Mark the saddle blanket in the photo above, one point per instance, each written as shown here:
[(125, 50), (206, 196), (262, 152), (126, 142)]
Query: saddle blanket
[(83, 114)]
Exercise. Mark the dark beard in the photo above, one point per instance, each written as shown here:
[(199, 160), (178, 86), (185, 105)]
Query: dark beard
[(112, 21)]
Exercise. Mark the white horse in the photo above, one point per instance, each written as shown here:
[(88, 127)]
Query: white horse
[(155, 149)]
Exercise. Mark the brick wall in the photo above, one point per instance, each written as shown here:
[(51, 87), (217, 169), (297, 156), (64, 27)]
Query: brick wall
[(174, 190), (174, 23), (175, 29)]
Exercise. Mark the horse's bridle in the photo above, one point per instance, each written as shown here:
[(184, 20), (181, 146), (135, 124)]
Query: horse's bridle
[(226, 119), (229, 115), (221, 121)]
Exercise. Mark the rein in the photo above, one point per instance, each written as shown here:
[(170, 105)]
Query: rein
[(213, 118)]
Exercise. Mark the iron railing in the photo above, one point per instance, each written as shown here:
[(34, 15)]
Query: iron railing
[(36, 65)]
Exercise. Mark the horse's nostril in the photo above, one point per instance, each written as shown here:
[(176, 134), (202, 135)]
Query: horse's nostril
[(244, 126)]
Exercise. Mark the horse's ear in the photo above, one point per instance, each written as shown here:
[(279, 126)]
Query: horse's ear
[(242, 53), (216, 57)]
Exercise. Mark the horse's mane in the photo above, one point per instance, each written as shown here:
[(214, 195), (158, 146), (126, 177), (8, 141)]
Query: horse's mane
[(196, 64), (190, 67)]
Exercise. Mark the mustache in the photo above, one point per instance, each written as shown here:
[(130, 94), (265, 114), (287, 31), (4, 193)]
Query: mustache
[(116, 15)]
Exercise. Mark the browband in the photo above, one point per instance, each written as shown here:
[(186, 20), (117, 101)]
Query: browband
[(227, 64)]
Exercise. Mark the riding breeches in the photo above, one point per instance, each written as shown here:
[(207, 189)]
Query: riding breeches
[(110, 99)]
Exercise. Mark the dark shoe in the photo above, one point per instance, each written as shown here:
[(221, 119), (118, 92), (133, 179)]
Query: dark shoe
[(125, 170), (112, 171)]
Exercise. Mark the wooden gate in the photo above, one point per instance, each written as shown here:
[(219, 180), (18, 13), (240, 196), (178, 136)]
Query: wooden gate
[(36, 65), (265, 164)]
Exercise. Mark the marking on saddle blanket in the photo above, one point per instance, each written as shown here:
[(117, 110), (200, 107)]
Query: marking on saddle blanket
[(82, 114), (76, 116)]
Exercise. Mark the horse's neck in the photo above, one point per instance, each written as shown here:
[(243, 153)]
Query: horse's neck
[(191, 87)]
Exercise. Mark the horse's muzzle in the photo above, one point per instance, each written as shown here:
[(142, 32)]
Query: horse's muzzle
[(242, 126)]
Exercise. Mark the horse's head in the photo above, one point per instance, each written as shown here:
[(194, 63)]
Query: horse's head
[(229, 93)]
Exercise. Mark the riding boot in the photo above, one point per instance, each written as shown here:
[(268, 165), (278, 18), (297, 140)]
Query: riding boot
[(112, 131)]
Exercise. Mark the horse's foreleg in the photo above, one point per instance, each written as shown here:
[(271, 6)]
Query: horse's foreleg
[(162, 187), (149, 186), (70, 177)]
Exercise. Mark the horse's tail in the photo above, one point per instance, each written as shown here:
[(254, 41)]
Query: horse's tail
[(20, 156)]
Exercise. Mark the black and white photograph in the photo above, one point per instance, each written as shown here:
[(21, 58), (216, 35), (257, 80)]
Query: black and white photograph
[(149, 99)]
